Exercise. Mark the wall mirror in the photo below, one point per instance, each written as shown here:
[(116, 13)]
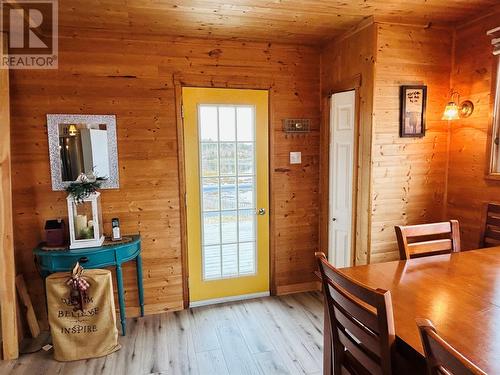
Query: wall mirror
[(83, 144)]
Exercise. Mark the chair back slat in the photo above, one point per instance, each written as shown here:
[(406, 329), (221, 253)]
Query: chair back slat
[(491, 226), (493, 221), (427, 229), (494, 208), (351, 324), (491, 234), (361, 323), (350, 344), (430, 246), (440, 356), (363, 314), (428, 239), (489, 242)]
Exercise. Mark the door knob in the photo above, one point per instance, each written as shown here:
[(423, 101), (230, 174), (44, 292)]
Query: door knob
[(261, 211), (334, 219)]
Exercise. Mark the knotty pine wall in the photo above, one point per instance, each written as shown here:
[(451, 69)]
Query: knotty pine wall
[(408, 174), (132, 77), (472, 75), (342, 60)]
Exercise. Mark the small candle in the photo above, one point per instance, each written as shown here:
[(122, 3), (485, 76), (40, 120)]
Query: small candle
[(80, 225)]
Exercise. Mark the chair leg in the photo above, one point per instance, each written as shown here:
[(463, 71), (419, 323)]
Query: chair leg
[(327, 344)]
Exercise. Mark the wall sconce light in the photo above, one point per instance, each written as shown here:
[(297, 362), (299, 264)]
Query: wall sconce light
[(455, 110)]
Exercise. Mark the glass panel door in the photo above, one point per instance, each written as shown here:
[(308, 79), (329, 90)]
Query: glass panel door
[(227, 185)]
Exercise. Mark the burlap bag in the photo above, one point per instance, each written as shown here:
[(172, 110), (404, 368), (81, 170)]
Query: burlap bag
[(88, 334)]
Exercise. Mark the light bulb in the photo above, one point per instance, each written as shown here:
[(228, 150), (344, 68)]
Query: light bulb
[(450, 112)]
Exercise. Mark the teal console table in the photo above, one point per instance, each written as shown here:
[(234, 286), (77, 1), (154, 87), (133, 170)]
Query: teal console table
[(96, 257)]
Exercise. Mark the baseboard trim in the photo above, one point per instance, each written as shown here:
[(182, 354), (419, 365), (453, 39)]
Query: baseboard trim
[(298, 288), (215, 301)]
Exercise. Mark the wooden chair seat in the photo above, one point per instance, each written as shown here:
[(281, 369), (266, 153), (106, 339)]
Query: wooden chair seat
[(428, 239), (441, 357)]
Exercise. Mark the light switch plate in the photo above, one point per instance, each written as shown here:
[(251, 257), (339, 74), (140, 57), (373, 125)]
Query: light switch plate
[(295, 157)]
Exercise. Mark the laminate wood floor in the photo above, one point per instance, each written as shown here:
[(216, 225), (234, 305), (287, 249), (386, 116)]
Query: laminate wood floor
[(272, 335)]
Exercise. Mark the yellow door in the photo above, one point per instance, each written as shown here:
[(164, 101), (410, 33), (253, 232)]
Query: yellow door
[(226, 156)]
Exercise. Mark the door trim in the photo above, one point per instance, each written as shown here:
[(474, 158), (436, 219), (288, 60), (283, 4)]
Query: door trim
[(193, 80), (352, 84)]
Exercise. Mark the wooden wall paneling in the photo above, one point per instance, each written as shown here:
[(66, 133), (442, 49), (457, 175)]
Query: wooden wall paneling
[(472, 76), (132, 76), (351, 56), (408, 174), (8, 301)]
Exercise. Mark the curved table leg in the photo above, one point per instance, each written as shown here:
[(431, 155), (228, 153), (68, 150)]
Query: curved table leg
[(121, 301), (138, 264)]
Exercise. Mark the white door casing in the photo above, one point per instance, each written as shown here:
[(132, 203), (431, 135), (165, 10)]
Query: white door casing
[(341, 162)]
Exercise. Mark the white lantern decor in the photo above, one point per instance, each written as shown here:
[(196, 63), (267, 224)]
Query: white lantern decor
[(85, 221)]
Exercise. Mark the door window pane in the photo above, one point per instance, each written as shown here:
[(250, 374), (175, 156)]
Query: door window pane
[(209, 159), (246, 226), (246, 158), (210, 188), (230, 260), (245, 124), (228, 193), (245, 192), (212, 267), (229, 226), (228, 159), (208, 124), (227, 124), (211, 228), (247, 258)]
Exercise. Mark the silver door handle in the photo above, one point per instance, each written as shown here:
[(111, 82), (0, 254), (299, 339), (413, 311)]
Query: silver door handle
[(261, 211)]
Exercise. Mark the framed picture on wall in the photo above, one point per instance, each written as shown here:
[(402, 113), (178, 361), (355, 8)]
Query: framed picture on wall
[(412, 118)]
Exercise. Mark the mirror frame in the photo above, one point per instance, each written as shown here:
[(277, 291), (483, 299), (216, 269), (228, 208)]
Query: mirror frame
[(53, 121)]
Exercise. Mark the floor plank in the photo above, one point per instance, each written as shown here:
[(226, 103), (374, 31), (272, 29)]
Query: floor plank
[(271, 335), (283, 330), (203, 321), (271, 363), (253, 331), (238, 358), (211, 362)]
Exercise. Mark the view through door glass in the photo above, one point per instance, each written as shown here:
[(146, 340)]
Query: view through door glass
[(227, 160)]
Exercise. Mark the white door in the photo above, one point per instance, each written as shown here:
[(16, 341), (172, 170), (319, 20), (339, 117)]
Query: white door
[(342, 114)]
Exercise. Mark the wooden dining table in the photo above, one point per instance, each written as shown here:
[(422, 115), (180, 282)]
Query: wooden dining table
[(459, 293)]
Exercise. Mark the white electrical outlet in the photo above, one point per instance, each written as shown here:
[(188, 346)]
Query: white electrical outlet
[(296, 157)]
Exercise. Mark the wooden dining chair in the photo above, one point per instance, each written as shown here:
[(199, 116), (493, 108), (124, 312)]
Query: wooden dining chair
[(441, 357), (490, 235), (428, 239), (361, 325)]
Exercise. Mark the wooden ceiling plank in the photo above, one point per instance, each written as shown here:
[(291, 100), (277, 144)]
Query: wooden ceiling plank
[(311, 22)]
